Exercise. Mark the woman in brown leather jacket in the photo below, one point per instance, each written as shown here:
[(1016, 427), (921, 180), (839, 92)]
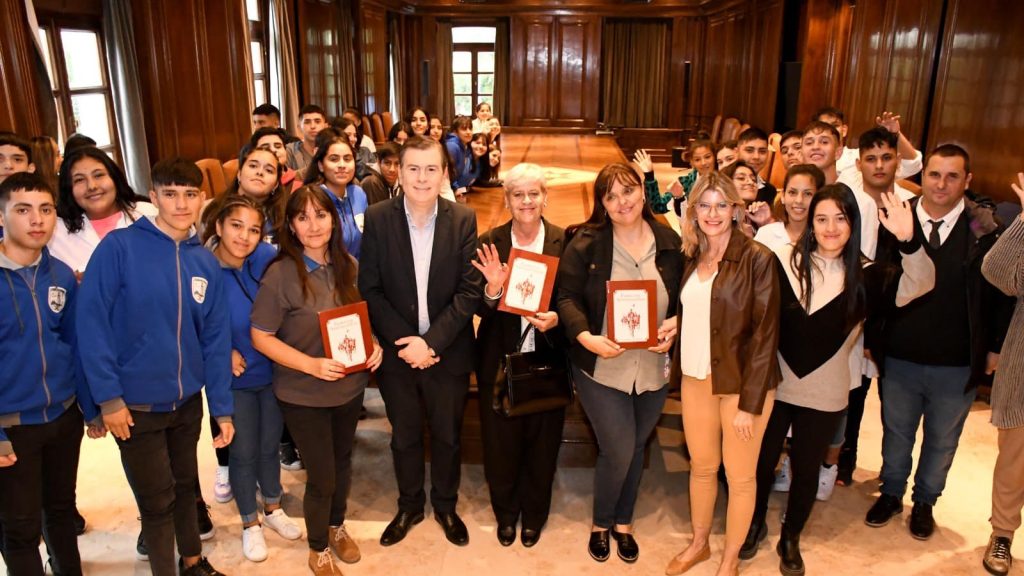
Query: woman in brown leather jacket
[(728, 324)]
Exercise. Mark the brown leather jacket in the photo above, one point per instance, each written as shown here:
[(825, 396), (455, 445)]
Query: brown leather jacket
[(744, 323)]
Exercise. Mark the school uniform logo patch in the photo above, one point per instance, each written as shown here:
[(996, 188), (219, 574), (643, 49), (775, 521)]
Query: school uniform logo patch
[(199, 289), (56, 298)]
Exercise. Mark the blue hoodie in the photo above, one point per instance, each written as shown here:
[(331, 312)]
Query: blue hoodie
[(40, 374), (461, 168), (351, 210), (240, 287), (154, 315)]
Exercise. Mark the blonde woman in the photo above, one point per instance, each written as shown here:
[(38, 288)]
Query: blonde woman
[(728, 324)]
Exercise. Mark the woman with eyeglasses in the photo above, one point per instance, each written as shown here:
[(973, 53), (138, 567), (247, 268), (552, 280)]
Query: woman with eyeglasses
[(726, 359)]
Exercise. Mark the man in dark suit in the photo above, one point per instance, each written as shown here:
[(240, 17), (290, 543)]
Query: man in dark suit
[(416, 275)]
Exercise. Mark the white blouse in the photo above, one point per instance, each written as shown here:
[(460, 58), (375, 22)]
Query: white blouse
[(695, 298)]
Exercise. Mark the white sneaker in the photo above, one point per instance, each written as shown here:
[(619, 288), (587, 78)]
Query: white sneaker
[(784, 478), (279, 522), (222, 486), (254, 546), (826, 482)]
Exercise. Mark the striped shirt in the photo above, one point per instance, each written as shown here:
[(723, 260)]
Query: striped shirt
[(1004, 268)]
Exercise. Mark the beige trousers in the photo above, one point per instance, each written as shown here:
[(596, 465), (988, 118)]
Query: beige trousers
[(1008, 483), (711, 438)]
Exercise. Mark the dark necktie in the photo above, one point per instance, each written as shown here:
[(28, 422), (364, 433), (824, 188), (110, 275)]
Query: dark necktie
[(933, 238)]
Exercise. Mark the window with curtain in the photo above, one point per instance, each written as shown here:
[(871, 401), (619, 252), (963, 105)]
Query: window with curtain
[(259, 42), (472, 66), (76, 63), (635, 62)]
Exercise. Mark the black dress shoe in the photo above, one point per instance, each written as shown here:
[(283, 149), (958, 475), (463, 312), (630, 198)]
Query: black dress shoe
[(507, 534), (454, 530), (883, 510), (600, 547), (626, 546), (530, 537), (758, 531), (922, 524), (80, 525), (790, 561), (399, 527)]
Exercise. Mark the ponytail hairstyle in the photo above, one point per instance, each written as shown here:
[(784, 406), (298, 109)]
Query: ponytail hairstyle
[(228, 206)]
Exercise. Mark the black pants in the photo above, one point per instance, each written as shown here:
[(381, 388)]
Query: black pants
[(813, 431), (854, 415), (443, 395), (325, 436), (37, 494), (520, 457), (223, 454), (159, 460)]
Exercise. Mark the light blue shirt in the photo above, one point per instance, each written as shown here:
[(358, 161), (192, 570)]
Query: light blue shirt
[(422, 240)]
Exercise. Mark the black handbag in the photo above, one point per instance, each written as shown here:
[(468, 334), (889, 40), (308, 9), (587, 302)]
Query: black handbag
[(532, 382)]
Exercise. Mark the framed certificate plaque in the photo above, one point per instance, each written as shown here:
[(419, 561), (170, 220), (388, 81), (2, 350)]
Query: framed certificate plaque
[(531, 277), (346, 334), (632, 313)]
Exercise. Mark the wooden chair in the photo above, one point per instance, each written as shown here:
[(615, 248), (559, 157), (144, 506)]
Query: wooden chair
[(910, 185), (368, 128), (213, 177), (773, 154), (380, 135), (716, 129), (388, 121), (730, 129), (743, 127), (230, 171)]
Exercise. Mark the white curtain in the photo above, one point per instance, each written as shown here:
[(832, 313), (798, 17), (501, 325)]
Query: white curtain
[(283, 78)]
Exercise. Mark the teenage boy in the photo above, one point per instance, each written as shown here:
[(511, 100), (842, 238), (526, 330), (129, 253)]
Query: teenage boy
[(910, 157), (268, 116), (15, 157), (41, 383), (752, 148), (380, 187), (312, 120), (153, 311), (936, 350), (821, 148), (790, 147), (417, 277)]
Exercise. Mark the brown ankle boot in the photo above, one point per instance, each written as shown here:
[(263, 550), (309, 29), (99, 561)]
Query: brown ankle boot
[(343, 545), (322, 563)]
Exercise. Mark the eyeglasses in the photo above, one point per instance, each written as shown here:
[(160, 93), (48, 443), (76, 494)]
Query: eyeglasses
[(705, 207)]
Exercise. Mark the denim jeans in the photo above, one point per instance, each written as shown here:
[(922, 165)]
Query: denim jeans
[(911, 392), (253, 456), (622, 423)]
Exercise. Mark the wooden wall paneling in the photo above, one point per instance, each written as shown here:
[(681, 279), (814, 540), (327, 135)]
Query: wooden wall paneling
[(685, 71), (892, 54), (194, 85), (765, 48), (977, 101), (577, 88), (725, 69), (19, 110), (373, 34), (825, 27), (531, 44)]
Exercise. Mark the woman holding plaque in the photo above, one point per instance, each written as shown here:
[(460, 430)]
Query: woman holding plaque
[(319, 400), (622, 390), (237, 232), (520, 452), (728, 337)]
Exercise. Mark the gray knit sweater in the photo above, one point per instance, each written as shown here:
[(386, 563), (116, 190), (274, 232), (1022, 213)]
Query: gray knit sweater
[(1004, 268)]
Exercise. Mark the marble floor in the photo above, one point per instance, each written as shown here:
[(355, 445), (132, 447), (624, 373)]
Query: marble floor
[(836, 540)]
